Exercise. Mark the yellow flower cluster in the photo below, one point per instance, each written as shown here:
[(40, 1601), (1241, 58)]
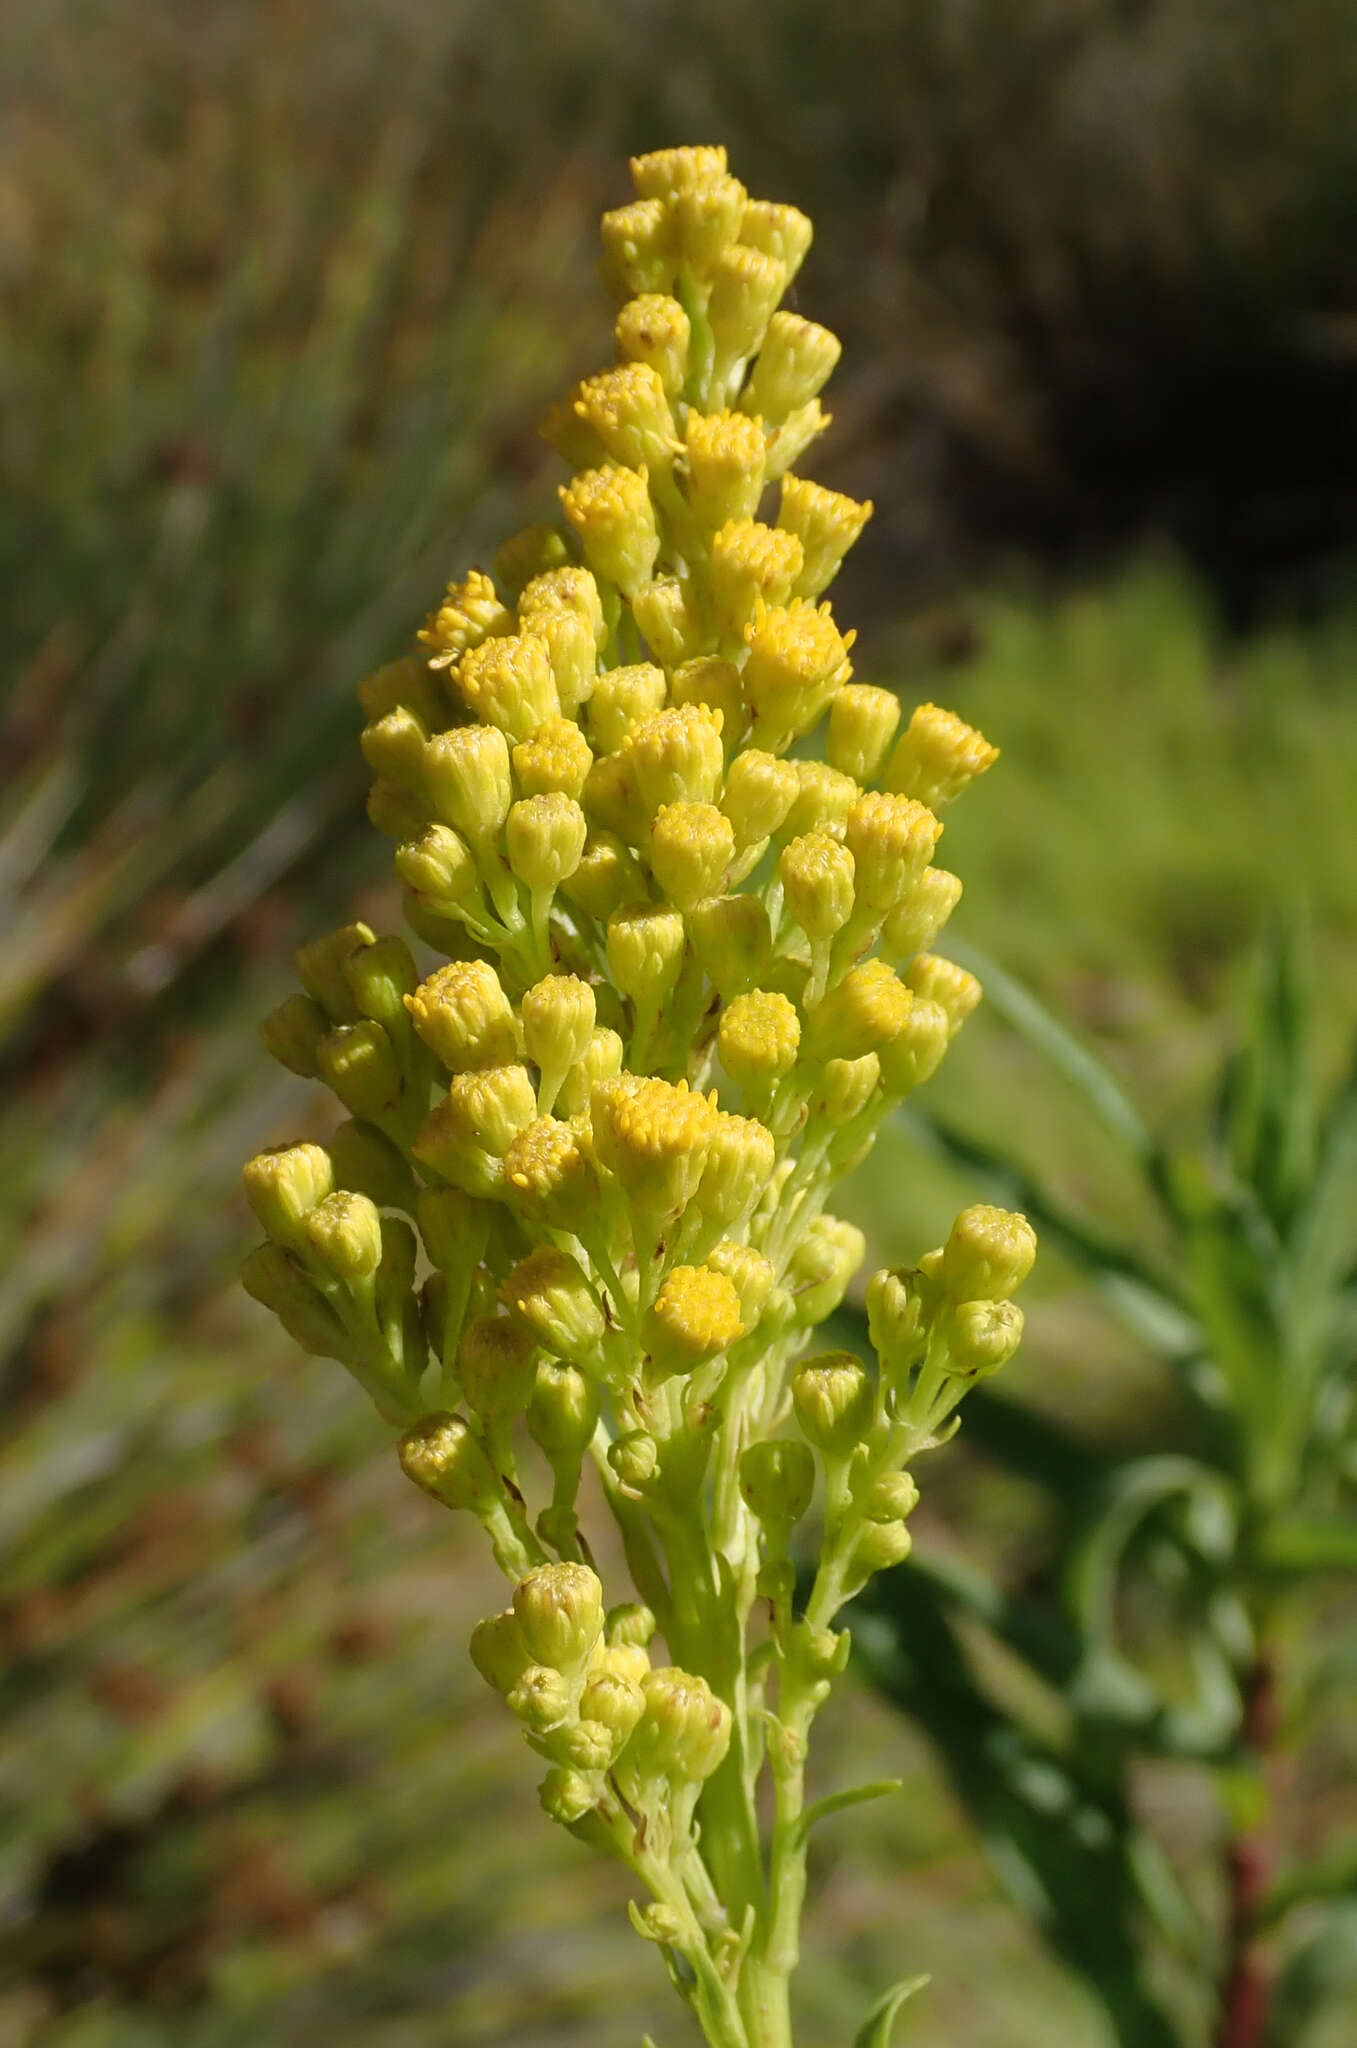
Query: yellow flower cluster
[(686, 971)]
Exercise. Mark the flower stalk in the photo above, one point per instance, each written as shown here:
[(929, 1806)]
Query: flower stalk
[(682, 972)]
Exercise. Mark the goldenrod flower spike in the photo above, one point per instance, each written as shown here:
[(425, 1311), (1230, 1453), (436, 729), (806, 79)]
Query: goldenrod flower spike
[(671, 871)]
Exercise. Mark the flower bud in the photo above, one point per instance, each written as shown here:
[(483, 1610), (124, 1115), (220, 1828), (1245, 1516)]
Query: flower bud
[(708, 680), (760, 791), (464, 1017), (557, 1016), (635, 1458), (612, 803), (745, 288), (452, 1225), (395, 812), (443, 1457), (845, 1088), (821, 1267), (645, 951), (982, 1336), (654, 329), (777, 1480), (628, 411), (292, 1033), (777, 230), (797, 660), (691, 847), (526, 554), (942, 982), (915, 1052), (629, 1623), (750, 562), (440, 865), (834, 1402), (470, 613), (270, 1277), (321, 968), (284, 1186), (467, 773), (569, 638), (613, 1702), (570, 589), (559, 1608), (554, 756), (787, 442), (622, 698), (599, 1061), (497, 1364), (879, 1546), (892, 840), (549, 1295), (671, 628), (563, 1412), (359, 1062), (796, 361), (988, 1255), (917, 919), (817, 883), (732, 941), (685, 1730), (407, 682), (541, 1699), (724, 457), (608, 876), (548, 1175), (864, 1012), (741, 1155), (936, 756), (567, 1797), (657, 1922), (749, 1273), (544, 839), (366, 1163), (677, 757), (899, 1309), (508, 683), (758, 1038), (705, 221), (466, 1136), (827, 524), (614, 520), (654, 1137), (638, 253), (393, 747), (891, 1496), (345, 1233), (696, 1316), (497, 1650)]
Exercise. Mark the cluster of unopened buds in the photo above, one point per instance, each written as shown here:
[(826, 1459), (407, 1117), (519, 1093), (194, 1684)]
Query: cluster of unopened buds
[(576, 1220)]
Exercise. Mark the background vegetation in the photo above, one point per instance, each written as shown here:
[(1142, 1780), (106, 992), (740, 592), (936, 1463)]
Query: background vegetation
[(286, 287)]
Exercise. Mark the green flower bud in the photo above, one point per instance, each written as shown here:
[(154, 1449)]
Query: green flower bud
[(554, 756), (915, 1053), (558, 1015), (741, 1155), (834, 1402), (464, 1017), (270, 1277), (549, 1176), (677, 757), (560, 1615), (657, 1922), (614, 1703), (284, 1186), (825, 1651), (777, 1480), (406, 681), (695, 1316), (567, 589), (508, 682), (645, 951), (899, 1310), (760, 791), (542, 1698), (823, 801), (497, 1651), (380, 977), (497, 1365), (936, 756), (612, 803), (359, 1062), (724, 459), (918, 918), (866, 1010), (672, 631), (567, 1796), (708, 680), (845, 1089), (393, 747), (691, 847), (942, 982), (827, 524), (630, 1623), (635, 1458), (441, 1455), (366, 1163), (654, 329), (626, 408), (821, 1267), (684, 1732), (573, 658), (550, 1296), (758, 1038), (623, 697), (891, 1496), (654, 1137), (468, 775), (797, 660), (982, 1336), (452, 1224), (745, 287), (749, 1273), (466, 1136), (527, 554), (396, 813), (732, 942), (470, 613), (609, 507), (892, 839), (881, 1545), (293, 1031), (440, 865), (785, 443), (749, 563), (817, 881), (600, 1060), (544, 838), (321, 968), (563, 1412), (706, 220), (638, 254), (988, 1255), (795, 362), (345, 1233)]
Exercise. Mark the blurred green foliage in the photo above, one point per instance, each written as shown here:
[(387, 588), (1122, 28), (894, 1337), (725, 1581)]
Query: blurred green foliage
[(285, 285)]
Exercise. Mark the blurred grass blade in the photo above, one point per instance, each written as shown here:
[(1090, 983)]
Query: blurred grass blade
[(1269, 1103), (877, 2029), (1029, 1017)]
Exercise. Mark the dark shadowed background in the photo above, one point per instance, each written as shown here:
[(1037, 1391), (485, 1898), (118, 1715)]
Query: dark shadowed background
[(286, 288)]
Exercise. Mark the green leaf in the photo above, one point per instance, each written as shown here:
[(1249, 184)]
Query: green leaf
[(1029, 1016), (875, 2032), (1268, 1103), (1322, 1972), (835, 1802), (1299, 1545), (1321, 1250)]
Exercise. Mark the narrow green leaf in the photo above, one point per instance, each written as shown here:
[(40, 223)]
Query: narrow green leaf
[(1270, 1107), (1029, 1016), (1321, 1973), (835, 1802), (876, 2030), (1322, 1254), (1302, 1546)]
